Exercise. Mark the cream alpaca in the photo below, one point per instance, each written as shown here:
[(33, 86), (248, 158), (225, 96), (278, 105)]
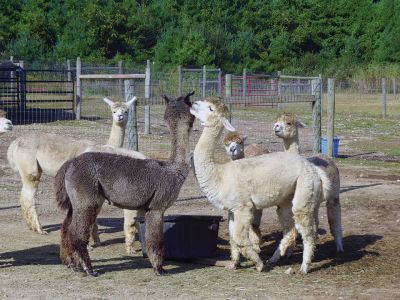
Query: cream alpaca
[(35, 154), (241, 186), (5, 124), (286, 127)]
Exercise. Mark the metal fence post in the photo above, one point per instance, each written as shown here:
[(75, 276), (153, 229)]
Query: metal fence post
[(244, 83), (228, 93), (132, 117), (204, 81), (394, 88), (220, 82), (120, 83), (384, 103), (316, 113), (330, 128), (78, 96), (69, 77)]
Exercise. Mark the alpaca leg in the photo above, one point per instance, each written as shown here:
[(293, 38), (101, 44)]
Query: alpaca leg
[(235, 253), (243, 218), (304, 222), (27, 200), (335, 222), (155, 239), (78, 234), (255, 233), (289, 232), (131, 228), (94, 233)]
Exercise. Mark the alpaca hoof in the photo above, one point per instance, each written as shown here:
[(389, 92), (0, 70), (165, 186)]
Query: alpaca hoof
[(43, 232), (303, 270), (74, 268), (91, 273), (231, 266), (160, 271), (260, 267)]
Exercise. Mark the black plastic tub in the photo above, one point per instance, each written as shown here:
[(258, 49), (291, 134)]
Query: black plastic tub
[(186, 236)]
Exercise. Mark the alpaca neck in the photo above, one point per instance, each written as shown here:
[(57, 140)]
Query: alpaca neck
[(180, 145), (292, 145), (205, 167), (117, 135)]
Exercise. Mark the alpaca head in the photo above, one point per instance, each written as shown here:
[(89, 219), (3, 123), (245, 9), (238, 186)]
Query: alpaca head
[(212, 112), (5, 124), (177, 112), (286, 126), (120, 110), (234, 145)]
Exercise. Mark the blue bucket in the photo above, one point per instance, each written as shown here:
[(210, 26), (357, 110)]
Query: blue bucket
[(324, 146)]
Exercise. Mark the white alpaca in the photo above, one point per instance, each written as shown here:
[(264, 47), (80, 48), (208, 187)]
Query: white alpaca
[(240, 186), (286, 127), (5, 124), (34, 154)]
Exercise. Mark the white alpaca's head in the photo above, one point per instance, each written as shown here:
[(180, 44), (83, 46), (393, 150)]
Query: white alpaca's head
[(212, 112), (5, 124), (120, 110), (286, 126), (234, 145)]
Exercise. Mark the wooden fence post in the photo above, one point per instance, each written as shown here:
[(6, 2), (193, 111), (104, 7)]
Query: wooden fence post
[(316, 113), (78, 96), (69, 77), (132, 117), (228, 93), (204, 81), (384, 103), (120, 82), (179, 81), (147, 95), (220, 82), (244, 83), (330, 128), (394, 88)]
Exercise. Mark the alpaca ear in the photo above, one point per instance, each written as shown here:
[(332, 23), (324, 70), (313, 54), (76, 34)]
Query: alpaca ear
[(300, 124), (187, 98), (108, 101), (244, 138), (227, 125), (130, 102), (166, 98)]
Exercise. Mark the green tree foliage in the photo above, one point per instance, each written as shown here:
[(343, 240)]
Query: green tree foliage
[(296, 36)]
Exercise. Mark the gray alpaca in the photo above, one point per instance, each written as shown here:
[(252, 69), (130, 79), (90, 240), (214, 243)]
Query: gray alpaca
[(85, 182)]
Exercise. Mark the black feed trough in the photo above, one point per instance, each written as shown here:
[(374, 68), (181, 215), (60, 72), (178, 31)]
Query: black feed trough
[(186, 236)]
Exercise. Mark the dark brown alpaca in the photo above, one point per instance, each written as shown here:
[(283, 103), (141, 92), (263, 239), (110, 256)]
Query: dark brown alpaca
[(85, 182)]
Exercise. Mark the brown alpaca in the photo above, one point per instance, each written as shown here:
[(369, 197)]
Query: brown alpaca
[(85, 182)]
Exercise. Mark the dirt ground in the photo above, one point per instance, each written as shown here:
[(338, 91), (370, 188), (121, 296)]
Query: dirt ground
[(369, 269)]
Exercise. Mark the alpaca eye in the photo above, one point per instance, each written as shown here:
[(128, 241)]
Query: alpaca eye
[(210, 108), (290, 124)]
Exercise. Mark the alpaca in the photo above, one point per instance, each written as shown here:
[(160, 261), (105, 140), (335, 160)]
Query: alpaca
[(286, 127), (34, 154), (5, 124), (85, 182), (240, 186)]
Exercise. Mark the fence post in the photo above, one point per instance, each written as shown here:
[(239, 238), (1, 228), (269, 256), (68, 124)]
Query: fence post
[(179, 81), (147, 95), (204, 81), (316, 108), (330, 128), (132, 117), (228, 93), (12, 83), (384, 104), (394, 88), (69, 77), (220, 82), (279, 83), (120, 82), (78, 96), (244, 83)]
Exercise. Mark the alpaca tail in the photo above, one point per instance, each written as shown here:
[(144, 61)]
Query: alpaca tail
[(10, 155), (331, 195), (62, 197)]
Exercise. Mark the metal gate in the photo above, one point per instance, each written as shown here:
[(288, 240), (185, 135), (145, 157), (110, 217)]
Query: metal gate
[(36, 96)]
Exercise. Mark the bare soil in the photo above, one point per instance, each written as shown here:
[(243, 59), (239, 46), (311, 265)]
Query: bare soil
[(369, 268)]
